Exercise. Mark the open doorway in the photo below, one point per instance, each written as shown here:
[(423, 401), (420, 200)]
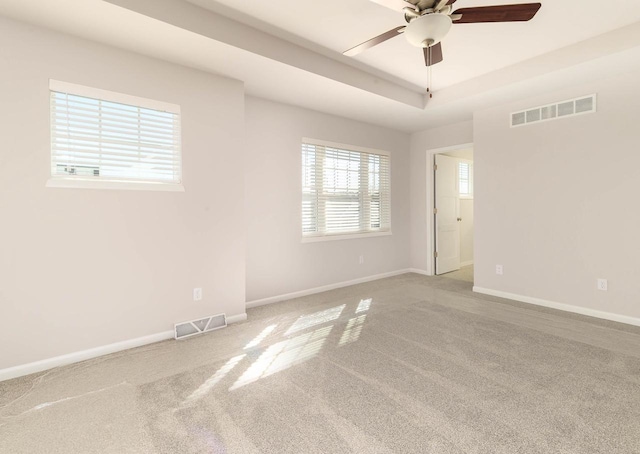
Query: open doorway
[(453, 213)]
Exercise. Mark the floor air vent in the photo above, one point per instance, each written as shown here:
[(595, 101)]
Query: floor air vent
[(199, 326), (563, 109)]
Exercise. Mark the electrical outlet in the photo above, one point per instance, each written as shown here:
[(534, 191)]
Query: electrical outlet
[(361, 260), (602, 284), (197, 294), (499, 270)]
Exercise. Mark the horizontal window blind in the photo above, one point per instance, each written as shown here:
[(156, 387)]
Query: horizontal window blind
[(464, 182), (101, 138), (344, 191)]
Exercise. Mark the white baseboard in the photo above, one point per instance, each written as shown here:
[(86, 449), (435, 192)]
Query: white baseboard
[(561, 306), (419, 271), (237, 318), (324, 288), (467, 263), (76, 357)]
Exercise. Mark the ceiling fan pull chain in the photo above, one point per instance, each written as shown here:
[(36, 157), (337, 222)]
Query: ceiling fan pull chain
[(429, 70)]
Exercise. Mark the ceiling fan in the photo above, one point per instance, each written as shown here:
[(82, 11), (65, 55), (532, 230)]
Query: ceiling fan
[(429, 21)]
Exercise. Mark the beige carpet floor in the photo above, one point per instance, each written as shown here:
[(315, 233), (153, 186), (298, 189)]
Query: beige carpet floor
[(409, 364), (463, 274)]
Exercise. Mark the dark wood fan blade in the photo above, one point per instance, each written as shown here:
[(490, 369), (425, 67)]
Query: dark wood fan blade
[(500, 13), (436, 54), (374, 42)]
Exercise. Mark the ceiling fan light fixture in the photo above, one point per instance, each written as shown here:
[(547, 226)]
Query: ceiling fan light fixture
[(428, 30)]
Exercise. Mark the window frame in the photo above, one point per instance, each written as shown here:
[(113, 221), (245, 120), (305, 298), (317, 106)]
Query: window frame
[(470, 164), (62, 181), (314, 238)]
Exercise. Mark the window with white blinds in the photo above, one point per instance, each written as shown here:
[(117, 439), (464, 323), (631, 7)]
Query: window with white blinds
[(344, 191), (101, 135), (465, 179)]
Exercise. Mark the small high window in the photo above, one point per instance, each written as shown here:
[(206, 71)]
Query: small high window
[(101, 136)]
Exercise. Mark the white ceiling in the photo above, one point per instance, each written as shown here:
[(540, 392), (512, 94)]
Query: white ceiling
[(311, 71), (470, 50)]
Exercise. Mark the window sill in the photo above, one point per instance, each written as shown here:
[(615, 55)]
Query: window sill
[(346, 236), (112, 184)]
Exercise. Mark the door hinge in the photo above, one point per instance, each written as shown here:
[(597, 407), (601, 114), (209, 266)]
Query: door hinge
[(435, 254), (435, 167), (435, 211)]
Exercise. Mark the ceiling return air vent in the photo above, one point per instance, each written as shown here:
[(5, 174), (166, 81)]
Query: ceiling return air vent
[(563, 109), (199, 326)]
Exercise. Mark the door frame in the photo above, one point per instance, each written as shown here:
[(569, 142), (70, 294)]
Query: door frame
[(431, 191)]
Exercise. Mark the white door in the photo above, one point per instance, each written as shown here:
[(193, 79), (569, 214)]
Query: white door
[(447, 216)]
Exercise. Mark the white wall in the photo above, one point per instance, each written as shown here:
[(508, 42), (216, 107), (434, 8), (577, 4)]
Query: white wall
[(466, 231), (422, 185), (277, 262), (556, 202), (85, 268)]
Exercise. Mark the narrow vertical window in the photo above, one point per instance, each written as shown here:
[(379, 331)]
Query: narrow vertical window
[(465, 179)]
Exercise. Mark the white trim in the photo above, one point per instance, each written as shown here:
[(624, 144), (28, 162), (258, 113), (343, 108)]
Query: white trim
[(561, 306), (122, 98), (418, 271), (467, 263), (338, 236), (344, 146), (324, 288), (70, 358), (81, 183), (237, 318)]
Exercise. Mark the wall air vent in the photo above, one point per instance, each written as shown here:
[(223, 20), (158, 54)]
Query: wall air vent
[(563, 109), (199, 326)]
